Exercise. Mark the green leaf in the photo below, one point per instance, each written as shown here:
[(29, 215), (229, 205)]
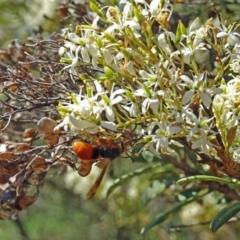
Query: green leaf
[(224, 200), (157, 187), (224, 216), (182, 27), (115, 2), (187, 193), (95, 9), (165, 215), (181, 30), (144, 157), (178, 34), (126, 177), (208, 178)]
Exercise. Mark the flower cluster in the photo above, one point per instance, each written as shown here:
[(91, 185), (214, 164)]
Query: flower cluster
[(173, 85)]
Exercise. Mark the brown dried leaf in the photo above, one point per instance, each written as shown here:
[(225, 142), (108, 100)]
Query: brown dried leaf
[(231, 135), (7, 156), (4, 55), (5, 214), (29, 133), (4, 178), (24, 202), (11, 86), (22, 147), (13, 169), (46, 125), (51, 139), (39, 164)]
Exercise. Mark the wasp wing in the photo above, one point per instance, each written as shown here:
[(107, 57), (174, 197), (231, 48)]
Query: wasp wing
[(98, 181)]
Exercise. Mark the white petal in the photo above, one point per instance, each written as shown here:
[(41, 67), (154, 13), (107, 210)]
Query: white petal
[(74, 38), (95, 22), (92, 49), (80, 124), (131, 68), (109, 125), (154, 7), (117, 100), (110, 114), (119, 56), (154, 103), (222, 34), (131, 24), (85, 55), (98, 86), (162, 41), (196, 144), (207, 101), (160, 93), (146, 75), (140, 92), (133, 111), (107, 56), (118, 91), (186, 79), (174, 130), (187, 97), (194, 26), (62, 124), (61, 51), (187, 56), (112, 28), (145, 106)]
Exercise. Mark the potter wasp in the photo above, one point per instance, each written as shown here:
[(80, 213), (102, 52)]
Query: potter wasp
[(102, 154)]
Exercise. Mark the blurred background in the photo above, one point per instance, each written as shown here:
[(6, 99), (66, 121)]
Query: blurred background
[(61, 211)]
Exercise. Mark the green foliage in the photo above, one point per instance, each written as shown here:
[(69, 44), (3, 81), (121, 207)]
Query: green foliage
[(174, 210), (224, 216)]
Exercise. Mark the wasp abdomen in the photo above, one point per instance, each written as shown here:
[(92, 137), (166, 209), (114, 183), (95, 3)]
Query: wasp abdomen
[(112, 152)]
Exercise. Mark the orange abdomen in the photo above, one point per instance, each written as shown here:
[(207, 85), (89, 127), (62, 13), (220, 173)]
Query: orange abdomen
[(83, 150)]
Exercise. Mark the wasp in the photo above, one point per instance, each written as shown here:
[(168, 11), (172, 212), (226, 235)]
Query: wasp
[(102, 154)]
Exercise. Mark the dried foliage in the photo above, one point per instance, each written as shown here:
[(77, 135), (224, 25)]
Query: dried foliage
[(33, 84)]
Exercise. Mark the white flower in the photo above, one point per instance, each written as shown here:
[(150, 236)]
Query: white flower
[(163, 43), (151, 100), (162, 135), (83, 124), (198, 85), (64, 123), (203, 143), (87, 48), (74, 57), (224, 105), (233, 90), (235, 65), (108, 103), (132, 109), (121, 20), (197, 124), (232, 37)]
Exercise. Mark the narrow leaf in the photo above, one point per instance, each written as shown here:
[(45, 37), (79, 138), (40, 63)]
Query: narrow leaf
[(224, 216), (126, 177), (165, 215), (157, 187), (208, 178), (96, 9), (231, 135)]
